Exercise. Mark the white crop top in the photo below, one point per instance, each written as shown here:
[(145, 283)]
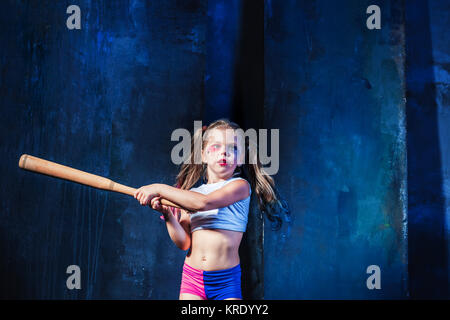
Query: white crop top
[(233, 217)]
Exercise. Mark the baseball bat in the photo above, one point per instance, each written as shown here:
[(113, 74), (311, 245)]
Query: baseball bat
[(56, 170)]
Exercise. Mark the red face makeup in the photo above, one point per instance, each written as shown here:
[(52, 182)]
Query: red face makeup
[(218, 154)]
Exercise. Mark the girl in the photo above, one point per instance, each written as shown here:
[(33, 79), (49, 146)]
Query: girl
[(216, 212)]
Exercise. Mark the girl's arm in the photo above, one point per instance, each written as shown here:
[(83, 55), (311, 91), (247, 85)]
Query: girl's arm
[(194, 201), (179, 231)]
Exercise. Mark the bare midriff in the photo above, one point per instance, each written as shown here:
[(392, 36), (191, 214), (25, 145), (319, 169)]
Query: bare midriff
[(214, 249)]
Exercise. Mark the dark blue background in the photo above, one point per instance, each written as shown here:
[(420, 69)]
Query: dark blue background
[(364, 141)]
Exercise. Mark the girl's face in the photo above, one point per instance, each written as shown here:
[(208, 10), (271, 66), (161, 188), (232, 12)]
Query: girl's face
[(222, 151)]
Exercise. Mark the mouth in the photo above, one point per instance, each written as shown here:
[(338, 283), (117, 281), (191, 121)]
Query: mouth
[(222, 162)]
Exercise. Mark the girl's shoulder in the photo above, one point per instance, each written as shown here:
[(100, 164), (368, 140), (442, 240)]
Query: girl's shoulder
[(240, 178), (206, 188)]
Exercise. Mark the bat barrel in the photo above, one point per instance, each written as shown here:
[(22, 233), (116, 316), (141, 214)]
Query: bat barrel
[(53, 169), (22, 161)]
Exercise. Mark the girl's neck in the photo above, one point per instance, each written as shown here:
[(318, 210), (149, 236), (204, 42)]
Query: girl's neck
[(219, 180)]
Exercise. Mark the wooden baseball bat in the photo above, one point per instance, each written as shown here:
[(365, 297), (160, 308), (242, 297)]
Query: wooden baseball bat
[(53, 169)]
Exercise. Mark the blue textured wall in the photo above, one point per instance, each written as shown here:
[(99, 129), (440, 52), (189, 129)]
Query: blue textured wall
[(99, 99), (234, 89), (335, 90), (222, 41), (427, 80), (366, 174)]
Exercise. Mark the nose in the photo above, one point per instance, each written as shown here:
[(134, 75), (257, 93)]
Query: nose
[(223, 152)]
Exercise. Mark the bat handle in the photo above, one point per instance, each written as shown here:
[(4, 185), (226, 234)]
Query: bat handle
[(31, 163), (169, 203), (130, 191)]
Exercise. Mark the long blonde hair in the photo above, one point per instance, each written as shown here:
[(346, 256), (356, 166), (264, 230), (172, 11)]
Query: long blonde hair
[(262, 184)]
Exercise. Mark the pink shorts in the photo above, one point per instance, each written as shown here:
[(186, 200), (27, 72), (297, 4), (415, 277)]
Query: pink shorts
[(212, 285)]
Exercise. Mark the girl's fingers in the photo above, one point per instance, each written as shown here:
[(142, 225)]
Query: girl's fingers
[(149, 197), (154, 203), (141, 198), (154, 200), (137, 193), (166, 209), (147, 200)]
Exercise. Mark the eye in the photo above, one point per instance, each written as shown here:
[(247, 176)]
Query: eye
[(215, 146)]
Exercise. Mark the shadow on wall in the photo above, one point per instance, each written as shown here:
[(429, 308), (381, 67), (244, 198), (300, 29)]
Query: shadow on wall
[(248, 112), (12, 273), (234, 89), (427, 243)]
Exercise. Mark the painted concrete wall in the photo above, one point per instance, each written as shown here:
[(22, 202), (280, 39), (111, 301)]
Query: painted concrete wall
[(234, 89), (106, 98), (99, 99), (335, 90), (427, 79)]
